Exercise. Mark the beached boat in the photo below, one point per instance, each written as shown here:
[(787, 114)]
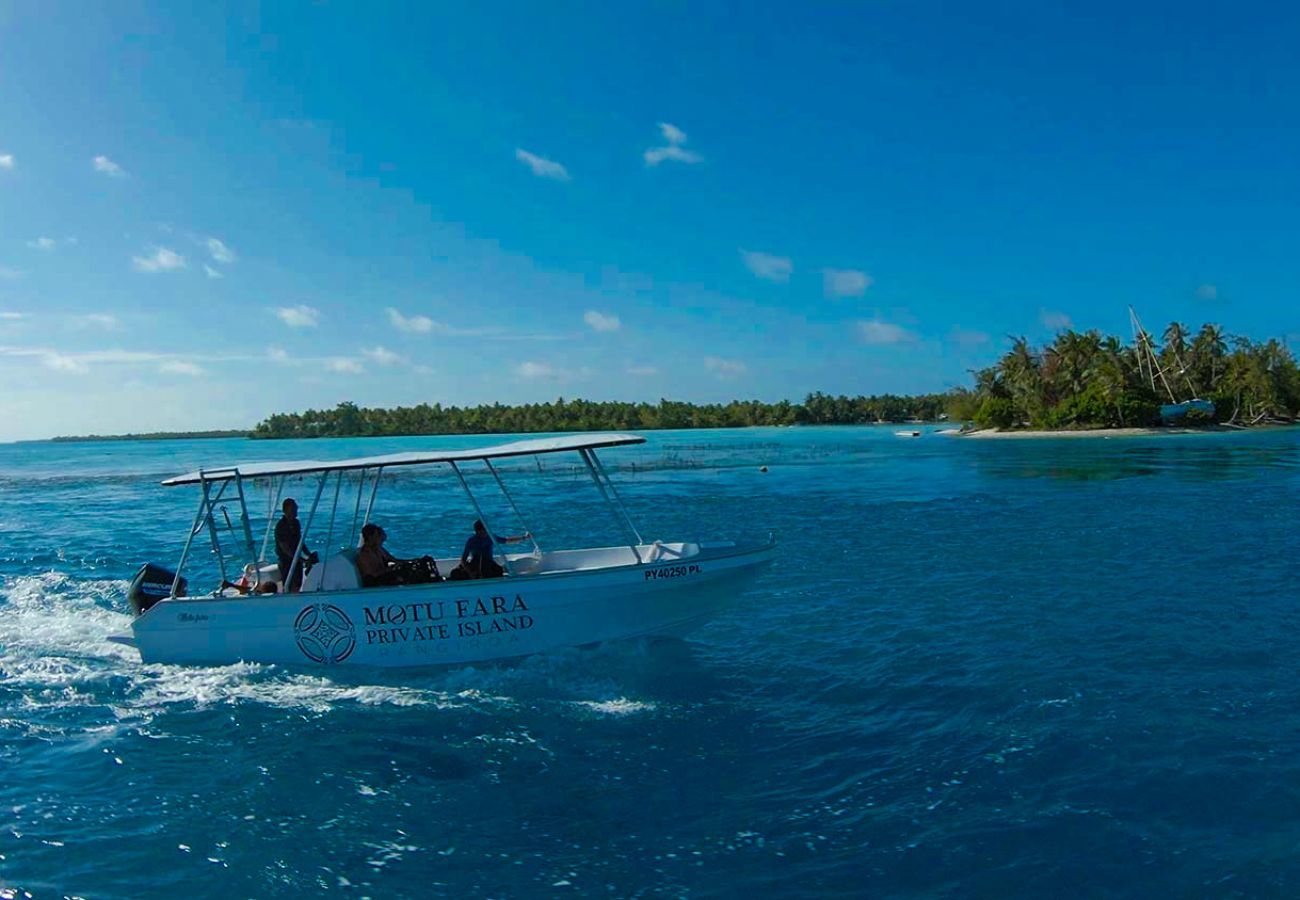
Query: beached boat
[(1150, 368), (546, 599)]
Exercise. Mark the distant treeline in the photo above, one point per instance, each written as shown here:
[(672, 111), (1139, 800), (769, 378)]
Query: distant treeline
[(1088, 380), (1079, 380), (348, 419), (154, 436)]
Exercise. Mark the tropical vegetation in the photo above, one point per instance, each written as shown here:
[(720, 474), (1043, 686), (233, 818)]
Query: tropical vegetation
[(1087, 380), (348, 419), (1081, 379)]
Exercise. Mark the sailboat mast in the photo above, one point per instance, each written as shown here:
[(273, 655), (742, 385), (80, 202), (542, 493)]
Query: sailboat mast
[(1148, 365)]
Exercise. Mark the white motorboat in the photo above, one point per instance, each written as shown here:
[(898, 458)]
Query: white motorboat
[(547, 599), (907, 434)]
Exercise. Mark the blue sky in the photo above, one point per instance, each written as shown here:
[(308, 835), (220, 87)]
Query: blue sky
[(210, 215)]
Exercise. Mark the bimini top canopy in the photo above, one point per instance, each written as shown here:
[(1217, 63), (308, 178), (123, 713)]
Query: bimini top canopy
[(498, 451)]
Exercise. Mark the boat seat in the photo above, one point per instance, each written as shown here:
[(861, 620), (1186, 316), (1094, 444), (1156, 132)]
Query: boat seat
[(336, 573)]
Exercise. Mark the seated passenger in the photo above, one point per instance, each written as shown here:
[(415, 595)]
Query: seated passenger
[(379, 568), (476, 560)]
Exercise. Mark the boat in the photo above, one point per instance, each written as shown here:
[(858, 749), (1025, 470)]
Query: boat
[(1150, 368), (907, 434), (545, 600)]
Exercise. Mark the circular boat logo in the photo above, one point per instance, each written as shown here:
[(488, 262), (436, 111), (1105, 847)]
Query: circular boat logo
[(325, 633)]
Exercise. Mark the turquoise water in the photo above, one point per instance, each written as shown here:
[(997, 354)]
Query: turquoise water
[(981, 668)]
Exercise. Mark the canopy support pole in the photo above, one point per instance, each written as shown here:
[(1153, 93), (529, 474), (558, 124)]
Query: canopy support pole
[(329, 535), (302, 538), (622, 507), (356, 511), (373, 490), (274, 498), (587, 457), (511, 500), (212, 526), (505, 559), (194, 529)]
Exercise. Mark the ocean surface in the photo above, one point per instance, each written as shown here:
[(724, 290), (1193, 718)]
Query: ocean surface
[(980, 668)]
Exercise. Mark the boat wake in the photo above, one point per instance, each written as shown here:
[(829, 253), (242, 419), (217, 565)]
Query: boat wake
[(57, 664)]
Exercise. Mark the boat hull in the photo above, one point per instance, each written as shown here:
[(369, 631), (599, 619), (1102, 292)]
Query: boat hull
[(1178, 410), (452, 622)]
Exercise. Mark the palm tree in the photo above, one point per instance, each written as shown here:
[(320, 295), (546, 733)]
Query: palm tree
[(1175, 338), (1072, 358), (1174, 355), (1207, 353), (1022, 375)]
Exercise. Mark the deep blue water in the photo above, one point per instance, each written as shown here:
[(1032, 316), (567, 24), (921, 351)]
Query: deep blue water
[(981, 668)]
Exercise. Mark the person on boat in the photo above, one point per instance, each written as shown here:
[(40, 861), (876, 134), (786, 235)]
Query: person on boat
[(379, 568), (476, 560), (288, 533), (248, 583)]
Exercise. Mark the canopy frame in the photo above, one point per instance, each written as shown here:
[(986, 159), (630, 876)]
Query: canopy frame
[(216, 483), (534, 447)]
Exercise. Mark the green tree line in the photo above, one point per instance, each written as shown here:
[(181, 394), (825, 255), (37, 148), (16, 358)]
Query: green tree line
[(1081, 379), (1087, 380), (348, 419)]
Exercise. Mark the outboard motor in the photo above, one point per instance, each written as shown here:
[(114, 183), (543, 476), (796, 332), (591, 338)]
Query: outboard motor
[(151, 584)]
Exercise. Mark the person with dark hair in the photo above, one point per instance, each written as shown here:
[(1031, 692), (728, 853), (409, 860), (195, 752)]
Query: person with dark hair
[(476, 560), (288, 534), (379, 568)]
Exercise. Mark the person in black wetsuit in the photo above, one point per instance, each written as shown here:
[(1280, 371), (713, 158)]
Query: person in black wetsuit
[(288, 532), (476, 560)]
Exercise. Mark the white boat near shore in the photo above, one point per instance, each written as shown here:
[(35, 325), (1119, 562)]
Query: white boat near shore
[(546, 600)]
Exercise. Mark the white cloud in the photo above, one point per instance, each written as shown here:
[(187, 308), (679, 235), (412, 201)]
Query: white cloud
[(300, 316), (107, 166), (180, 367), (673, 149), (346, 366), (12, 316), (1207, 292), (877, 332), (81, 362), (277, 354), (43, 243), (211, 272), (106, 321), (642, 371), (162, 260), (845, 282), (655, 155), (963, 337), (383, 356), (672, 134), (6, 160), (725, 368), (537, 371), (220, 252), (413, 324), (601, 322), (765, 265), (1056, 321), (121, 356), (61, 363), (541, 166)]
